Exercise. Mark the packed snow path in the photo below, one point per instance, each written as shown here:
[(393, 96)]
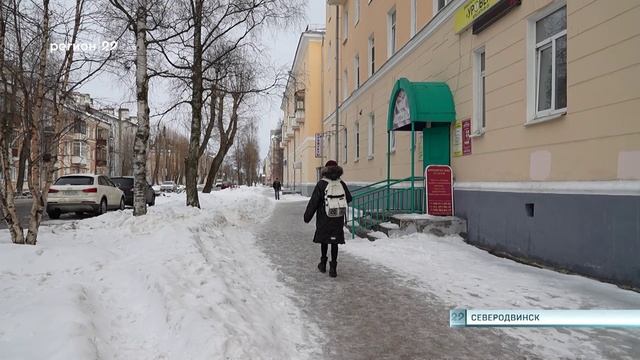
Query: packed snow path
[(368, 312)]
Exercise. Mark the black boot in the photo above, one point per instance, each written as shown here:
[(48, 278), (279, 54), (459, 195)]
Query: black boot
[(322, 266), (332, 269)]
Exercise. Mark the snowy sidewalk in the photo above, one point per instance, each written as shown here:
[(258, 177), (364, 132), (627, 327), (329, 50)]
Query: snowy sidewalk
[(369, 312)]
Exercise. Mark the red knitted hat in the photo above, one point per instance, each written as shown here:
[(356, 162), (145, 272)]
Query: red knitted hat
[(331, 163)]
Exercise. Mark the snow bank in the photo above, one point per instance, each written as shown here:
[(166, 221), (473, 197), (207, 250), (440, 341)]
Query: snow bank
[(464, 276), (179, 283)]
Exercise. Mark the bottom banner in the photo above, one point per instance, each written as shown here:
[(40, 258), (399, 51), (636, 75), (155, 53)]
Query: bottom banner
[(533, 318)]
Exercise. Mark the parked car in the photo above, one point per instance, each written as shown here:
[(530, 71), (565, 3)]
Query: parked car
[(125, 183), (157, 190), (169, 186), (82, 193)]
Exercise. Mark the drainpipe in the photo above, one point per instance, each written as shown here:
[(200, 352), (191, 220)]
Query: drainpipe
[(413, 171), (337, 81)]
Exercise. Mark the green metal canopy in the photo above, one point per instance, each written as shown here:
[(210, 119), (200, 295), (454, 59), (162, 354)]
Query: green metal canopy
[(419, 103)]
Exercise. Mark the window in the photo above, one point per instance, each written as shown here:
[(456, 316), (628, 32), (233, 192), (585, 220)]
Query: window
[(345, 25), (372, 55), (356, 12), (344, 145), (439, 5), (479, 101), (356, 71), (78, 149), (414, 14), (393, 141), (371, 135), (80, 126), (345, 86), (357, 141), (550, 54), (391, 32)]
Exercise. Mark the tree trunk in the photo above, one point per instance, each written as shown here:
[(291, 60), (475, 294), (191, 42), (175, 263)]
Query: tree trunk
[(191, 162), (141, 141)]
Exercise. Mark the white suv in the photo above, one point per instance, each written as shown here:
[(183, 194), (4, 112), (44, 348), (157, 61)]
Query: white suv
[(82, 193)]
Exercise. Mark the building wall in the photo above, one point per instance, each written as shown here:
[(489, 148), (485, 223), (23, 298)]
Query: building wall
[(568, 170), (300, 149), (603, 83)]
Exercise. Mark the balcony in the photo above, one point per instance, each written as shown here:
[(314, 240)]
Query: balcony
[(78, 160), (300, 116), (101, 142)]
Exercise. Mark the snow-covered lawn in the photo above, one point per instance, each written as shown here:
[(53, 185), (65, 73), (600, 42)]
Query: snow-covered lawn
[(464, 276), (179, 283)]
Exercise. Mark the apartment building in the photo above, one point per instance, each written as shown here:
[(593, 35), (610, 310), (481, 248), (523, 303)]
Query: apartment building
[(532, 103), (302, 114)]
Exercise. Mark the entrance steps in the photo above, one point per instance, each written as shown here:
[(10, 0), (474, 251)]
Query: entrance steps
[(405, 224)]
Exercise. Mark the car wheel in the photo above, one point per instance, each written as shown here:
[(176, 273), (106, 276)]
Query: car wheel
[(121, 204), (153, 200), (103, 207), (53, 214)]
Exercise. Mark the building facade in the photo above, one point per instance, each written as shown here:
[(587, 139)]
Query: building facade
[(542, 131), (302, 114)]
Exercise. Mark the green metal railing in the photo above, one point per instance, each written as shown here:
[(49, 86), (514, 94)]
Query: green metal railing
[(376, 203)]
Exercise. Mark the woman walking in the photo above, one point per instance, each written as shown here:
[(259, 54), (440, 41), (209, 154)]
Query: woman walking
[(328, 202)]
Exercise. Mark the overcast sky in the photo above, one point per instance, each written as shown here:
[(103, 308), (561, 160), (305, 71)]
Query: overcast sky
[(281, 45)]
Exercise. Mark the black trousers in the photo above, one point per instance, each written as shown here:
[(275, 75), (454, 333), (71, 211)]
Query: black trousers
[(334, 251), (277, 194)]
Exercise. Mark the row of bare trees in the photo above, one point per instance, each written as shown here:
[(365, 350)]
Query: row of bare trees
[(206, 49)]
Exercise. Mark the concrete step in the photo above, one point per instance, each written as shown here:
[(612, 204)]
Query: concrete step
[(437, 225)]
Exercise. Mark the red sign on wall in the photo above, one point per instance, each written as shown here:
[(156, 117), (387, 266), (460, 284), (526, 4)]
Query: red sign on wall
[(466, 137), (439, 189)]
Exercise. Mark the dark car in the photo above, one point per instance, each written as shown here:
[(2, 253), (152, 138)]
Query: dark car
[(125, 183)]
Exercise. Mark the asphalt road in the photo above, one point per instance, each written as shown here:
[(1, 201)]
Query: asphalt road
[(24, 207)]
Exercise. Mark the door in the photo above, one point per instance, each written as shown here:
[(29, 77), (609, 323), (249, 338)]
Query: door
[(436, 144)]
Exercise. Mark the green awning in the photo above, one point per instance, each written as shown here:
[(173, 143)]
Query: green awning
[(419, 103)]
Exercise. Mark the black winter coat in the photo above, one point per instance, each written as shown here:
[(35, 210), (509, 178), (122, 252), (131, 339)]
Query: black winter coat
[(328, 230), (276, 185)]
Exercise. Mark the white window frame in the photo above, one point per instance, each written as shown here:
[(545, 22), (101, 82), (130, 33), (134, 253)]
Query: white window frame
[(345, 85), (81, 149), (392, 32), (479, 92), (436, 8), (371, 136), (371, 53), (356, 71), (356, 12), (345, 147), (414, 17), (393, 141), (356, 134), (533, 115), (345, 25)]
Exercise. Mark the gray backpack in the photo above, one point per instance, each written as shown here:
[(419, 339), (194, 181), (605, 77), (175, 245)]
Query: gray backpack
[(335, 199)]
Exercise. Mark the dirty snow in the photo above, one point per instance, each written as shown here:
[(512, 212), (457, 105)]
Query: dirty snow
[(466, 277), (179, 283)]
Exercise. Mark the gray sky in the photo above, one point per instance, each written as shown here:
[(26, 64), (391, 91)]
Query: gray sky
[(281, 46)]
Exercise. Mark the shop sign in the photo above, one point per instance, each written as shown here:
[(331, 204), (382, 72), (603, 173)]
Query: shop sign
[(401, 111), (318, 143), (462, 138), (439, 190), (470, 11)]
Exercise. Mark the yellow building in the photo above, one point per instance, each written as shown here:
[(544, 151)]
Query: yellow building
[(302, 114), (542, 132)]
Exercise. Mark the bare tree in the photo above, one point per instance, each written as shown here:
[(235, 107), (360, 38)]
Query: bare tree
[(142, 17)]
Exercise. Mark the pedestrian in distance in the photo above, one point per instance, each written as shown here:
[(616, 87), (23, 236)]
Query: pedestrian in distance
[(329, 204), (277, 187)]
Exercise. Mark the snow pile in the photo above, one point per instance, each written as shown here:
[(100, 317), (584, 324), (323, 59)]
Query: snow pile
[(179, 283), (464, 276)]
